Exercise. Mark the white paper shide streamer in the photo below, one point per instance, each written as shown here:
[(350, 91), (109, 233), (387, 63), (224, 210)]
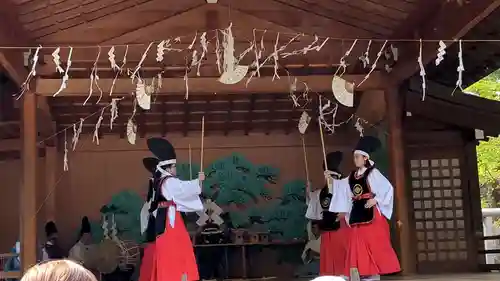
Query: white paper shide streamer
[(460, 68), (76, 133), (95, 136), (143, 94), (304, 121), (65, 158), (441, 52), (132, 127), (114, 112), (422, 71)]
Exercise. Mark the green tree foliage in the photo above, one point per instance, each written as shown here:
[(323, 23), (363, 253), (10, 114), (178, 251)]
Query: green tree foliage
[(488, 153), (241, 188)]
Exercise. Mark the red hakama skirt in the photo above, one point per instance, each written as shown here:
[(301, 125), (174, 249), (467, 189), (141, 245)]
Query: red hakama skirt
[(370, 250), (147, 272), (333, 251), (174, 255)]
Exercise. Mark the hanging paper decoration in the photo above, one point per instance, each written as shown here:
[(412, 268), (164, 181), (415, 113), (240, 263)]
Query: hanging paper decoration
[(204, 51), (116, 67), (57, 60), (343, 91), (440, 52), (160, 51), (326, 111), (304, 121), (365, 58), (111, 58), (460, 68), (76, 133), (422, 70), (296, 99), (218, 52), (193, 42), (131, 131), (274, 55), (26, 84), (311, 47), (65, 78), (131, 126), (65, 157), (94, 78), (374, 65), (232, 73), (343, 65), (359, 127), (258, 54), (114, 112), (139, 65), (95, 136)]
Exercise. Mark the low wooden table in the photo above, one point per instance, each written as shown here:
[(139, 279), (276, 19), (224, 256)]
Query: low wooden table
[(244, 247)]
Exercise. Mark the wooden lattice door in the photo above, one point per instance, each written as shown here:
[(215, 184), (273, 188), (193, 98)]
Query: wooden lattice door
[(441, 211)]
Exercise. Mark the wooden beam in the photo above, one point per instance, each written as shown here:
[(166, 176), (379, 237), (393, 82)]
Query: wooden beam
[(452, 21), (372, 106), (27, 196), (207, 85), (397, 172), (51, 161)]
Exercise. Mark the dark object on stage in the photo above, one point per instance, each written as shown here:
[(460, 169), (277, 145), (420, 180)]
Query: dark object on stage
[(150, 164), (333, 160), (211, 234), (361, 192), (161, 148), (368, 144), (330, 220)]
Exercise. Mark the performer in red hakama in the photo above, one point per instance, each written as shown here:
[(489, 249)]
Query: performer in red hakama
[(367, 197), (333, 229), (148, 225), (174, 256)]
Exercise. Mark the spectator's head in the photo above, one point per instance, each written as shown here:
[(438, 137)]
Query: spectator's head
[(329, 278), (58, 270)]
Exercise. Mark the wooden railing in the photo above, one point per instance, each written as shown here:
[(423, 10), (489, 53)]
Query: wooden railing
[(491, 234), (5, 275)]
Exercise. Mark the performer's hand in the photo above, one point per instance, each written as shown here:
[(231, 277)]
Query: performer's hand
[(370, 203), (201, 176)]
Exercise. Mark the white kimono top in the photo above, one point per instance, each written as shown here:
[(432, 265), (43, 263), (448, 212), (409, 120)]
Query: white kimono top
[(314, 209), (145, 213), (185, 195), (380, 185)]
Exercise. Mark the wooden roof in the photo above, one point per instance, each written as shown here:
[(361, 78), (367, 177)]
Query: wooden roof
[(459, 109), (94, 23)]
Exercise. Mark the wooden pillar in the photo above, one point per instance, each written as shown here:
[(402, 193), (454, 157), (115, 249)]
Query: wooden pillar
[(397, 171), (50, 182), (27, 194)]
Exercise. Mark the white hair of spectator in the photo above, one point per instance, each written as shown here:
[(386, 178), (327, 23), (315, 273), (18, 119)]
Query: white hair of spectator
[(329, 278)]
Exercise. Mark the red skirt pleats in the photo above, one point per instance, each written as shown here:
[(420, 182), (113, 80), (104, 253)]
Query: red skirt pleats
[(333, 251), (174, 255), (147, 264), (370, 250)]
